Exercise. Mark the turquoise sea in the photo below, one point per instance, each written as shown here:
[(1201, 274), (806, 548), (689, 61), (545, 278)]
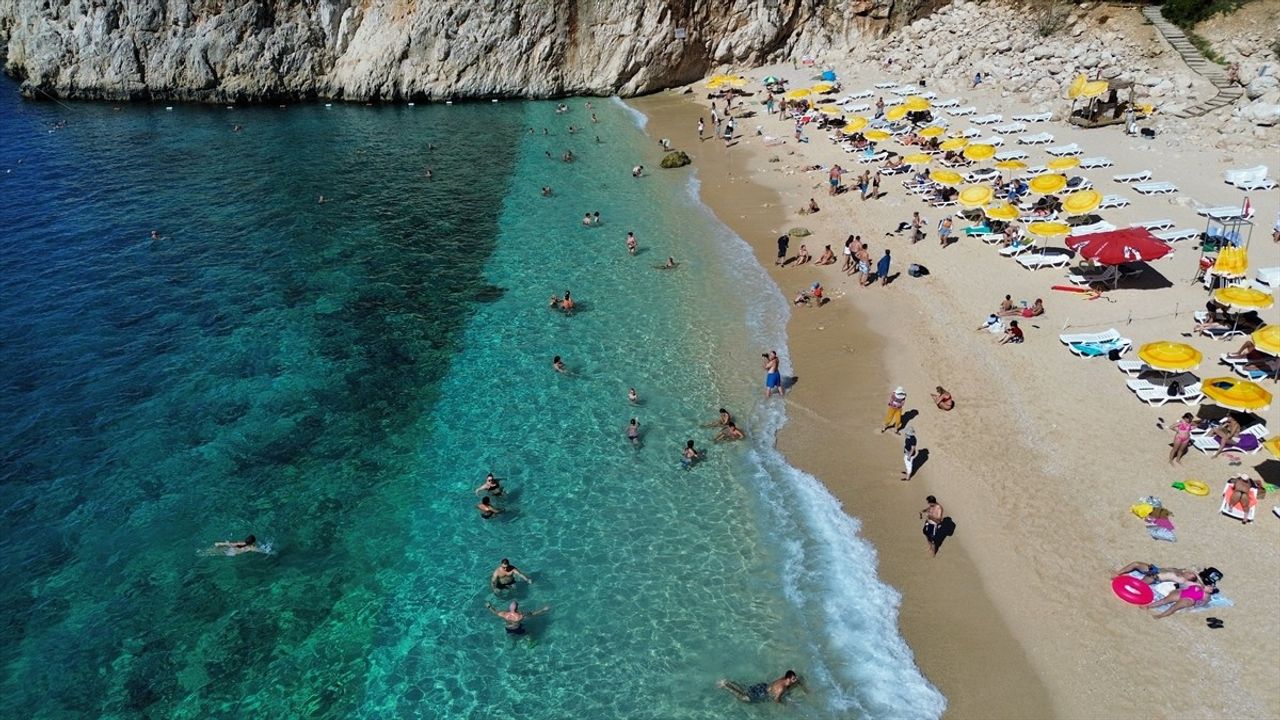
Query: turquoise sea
[(337, 378)]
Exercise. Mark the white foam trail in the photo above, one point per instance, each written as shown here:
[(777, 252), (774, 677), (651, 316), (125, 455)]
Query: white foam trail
[(830, 572), (640, 119)]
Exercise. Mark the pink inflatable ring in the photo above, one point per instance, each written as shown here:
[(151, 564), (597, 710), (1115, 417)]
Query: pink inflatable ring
[(1132, 590)]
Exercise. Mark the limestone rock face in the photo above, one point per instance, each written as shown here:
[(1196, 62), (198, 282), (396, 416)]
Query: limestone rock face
[(226, 50)]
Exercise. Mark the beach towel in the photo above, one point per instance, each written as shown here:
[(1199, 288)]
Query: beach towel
[(1161, 529), (1097, 349)]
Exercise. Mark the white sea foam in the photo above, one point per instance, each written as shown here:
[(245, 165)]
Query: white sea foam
[(640, 119), (830, 573)]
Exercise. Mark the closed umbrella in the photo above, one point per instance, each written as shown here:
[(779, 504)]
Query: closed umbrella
[(1119, 246), (953, 144), (1169, 356), (976, 196), (946, 177), (1232, 262), (1236, 394), (1082, 202), (1047, 184), (980, 152)]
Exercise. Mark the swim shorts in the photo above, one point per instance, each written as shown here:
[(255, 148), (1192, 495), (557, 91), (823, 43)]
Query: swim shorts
[(773, 380), (758, 692), (516, 630)]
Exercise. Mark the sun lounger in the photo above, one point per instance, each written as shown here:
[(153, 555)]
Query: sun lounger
[(1096, 344), (1129, 178), (1267, 279), (857, 108), (886, 85), (1132, 367), (894, 101), (894, 171), (1255, 185), (1035, 261), (1012, 128), (1011, 155), (1035, 170), (1233, 177), (1249, 442), (1156, 394), (860, 94), (1079, 182), (986, 119), (1113, 201), (942, 203), (1098, 161), (1236, 511), (1253, 374), (1091, 228), (995, 140), (948, 103), (1034, 117), (1043, 138), (1065, 150), (981, 175), (969, 133), (878, 157), (1175, 235), (1016, 248), (1156, 188), (1222, 212), (904, 90), (1153, 225), (961, 112), (1108, 275), (989, 238), (1090, 338)]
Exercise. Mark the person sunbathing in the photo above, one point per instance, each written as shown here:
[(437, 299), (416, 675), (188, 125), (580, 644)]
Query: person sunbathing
[(1152, 574), (828, 257), (1036, 309), (943, 399), (1010, 235), (804, 256), (1007, 307), (1192, 594), (893, 163), (1227, 432), (1241, 496)]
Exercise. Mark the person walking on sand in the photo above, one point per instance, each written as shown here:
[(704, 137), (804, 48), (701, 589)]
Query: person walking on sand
[(932, 516), (944, 231), (909, 451), (783, 242), (702, 128), (772, 375), (715, 119), (882, 268), (833, 179), (893, 417), (917, 228)]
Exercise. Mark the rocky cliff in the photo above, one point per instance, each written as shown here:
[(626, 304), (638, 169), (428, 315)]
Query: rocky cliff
[(256, 50)]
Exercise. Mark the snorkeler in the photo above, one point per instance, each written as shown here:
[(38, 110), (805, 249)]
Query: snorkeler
[(505, 576), (514, 618)]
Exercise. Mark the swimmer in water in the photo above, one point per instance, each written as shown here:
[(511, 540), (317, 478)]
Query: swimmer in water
[(514, 617), (155, 234), (321, 200), (554, 302), (637, 171), (428, 173), (558, 365), (486, 508), (490, 486), (586, 220), (632, 396), (546, 191), (631, 243), (689, 456), (633, 432), (763, 692), (724, 420), (232, 547), (595, 218), (504, 578), (670, 264), (729, 433), (568, 156), (567, 304)]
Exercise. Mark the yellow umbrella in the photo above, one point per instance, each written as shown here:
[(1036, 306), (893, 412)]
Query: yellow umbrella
[(915, 103), (831, 110), (1011, 165), (876, 135), (1049, 230), (980, 152), (737, 81), (976, 196), (953, 143), (715, 84), (1082, 202), (1170, 356), (1064, 163), (823, 87), (1047, 184), (1267, 339), (1094, 88), (855, 123), (721, 78), (918, 159), (1077, 86), (1273, 445), (797, 94), (1232, 262), (1236, 394), (1004, 211), (931, 132), (895, 114), (1243, 298), (946, 177)]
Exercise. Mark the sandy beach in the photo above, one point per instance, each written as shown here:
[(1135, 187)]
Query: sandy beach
[(1044, 453)]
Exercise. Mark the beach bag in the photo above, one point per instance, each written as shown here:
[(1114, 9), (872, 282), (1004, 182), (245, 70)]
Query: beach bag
[(915, 270), (1175, 389), (1113, 354)]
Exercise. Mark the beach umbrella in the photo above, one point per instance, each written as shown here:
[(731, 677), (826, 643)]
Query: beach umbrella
[(822, 87), (1063, 163), (1267, 339), (1232, 262), (1077, 86), (932, 132), (1240, 298), (737, 81), (953, 144), (1273, 446), (1047, 184), (1094, 88), (915, 103), (946, 177), (1011, 165), (855, 123), (770, 80), (1049, 230), (1236, 394), (797, 94), (976, 196), (1003, 211), (918, 159), (829, 75), (1169, 356), (980, 152), (1082, 202), (831, 110), (894, 114), (1119, 246), (876, 135)]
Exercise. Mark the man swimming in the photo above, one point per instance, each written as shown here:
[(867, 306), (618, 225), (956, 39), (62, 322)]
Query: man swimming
[(670, 264), (514, 618), (505, 576), (633, 432), (567, 304), (486, 508), (689, 456), (232, 547), (729, 433), (632, 396), (762, 692), (558, 365)]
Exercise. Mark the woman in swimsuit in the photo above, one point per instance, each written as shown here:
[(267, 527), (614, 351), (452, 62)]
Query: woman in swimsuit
[(1036, 309), (943, 399), (633, 432), (828, 257), (491, 486), (1191, 595), (486, 508), (1181, 438), (1239, 496), (567, 305)]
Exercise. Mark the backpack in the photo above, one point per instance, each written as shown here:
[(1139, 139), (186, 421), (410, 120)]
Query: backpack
[(1175, 389)]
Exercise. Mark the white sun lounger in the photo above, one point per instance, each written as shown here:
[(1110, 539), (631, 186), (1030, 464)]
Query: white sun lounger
[(1065, 150), (1034, 117), (1157, 395), (894, 101), (963, 111), (860, 94), (1090, 338), (886, 85), (882, 155), (1016, 248), (969, 133), (1267, 279), (1100, 226), (948, 103), (1043, 138), (1079, 183), (1011, 155), (1209, 444), (1137, 177), (929, 95), (906, 90), (1153, 225), (994, 140), (1098, 161), (1109, 274), (1233, 177), (858, 108), (1113, 201), (1035, 170), (1132, 367), (1156, 188), (1012, 128), (981, 175), (1176, 235), (1254, 185), (986, 119), (1089, 345), (1035, 261), (1223, 212)]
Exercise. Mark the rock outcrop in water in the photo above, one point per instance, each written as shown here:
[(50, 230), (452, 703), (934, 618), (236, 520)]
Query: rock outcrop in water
[(257, 50)]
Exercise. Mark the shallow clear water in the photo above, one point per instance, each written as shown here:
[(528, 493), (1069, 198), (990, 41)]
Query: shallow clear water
[(337, 379)]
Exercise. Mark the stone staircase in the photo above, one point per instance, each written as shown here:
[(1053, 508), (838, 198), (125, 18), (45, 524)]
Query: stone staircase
[(1227, 93)]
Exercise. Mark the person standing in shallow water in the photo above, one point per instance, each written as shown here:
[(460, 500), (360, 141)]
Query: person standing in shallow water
[(772, 375), (504, 577), (514, 617)]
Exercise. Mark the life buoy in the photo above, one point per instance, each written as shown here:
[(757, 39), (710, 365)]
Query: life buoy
[(1195, 487), (1132, 590)]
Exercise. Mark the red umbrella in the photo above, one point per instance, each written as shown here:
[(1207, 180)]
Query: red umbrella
[(1119, 246)]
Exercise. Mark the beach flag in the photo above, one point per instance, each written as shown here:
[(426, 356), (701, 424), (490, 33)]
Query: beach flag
[(1247, 210)]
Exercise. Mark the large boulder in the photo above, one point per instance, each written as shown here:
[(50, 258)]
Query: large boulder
[(1261, 85), (675, 159)]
